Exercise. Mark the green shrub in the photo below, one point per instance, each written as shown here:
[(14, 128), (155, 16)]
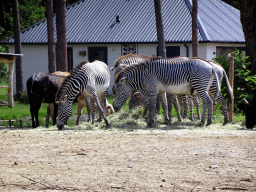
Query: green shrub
[(244, 81)]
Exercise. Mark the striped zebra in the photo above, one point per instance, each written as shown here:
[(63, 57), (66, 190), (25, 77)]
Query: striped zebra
[(162, 75), (131, 59), (92, 81), (221, 74)]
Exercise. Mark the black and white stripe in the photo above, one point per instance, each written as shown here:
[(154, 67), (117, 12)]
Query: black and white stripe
[(91, 80), (177, 77)]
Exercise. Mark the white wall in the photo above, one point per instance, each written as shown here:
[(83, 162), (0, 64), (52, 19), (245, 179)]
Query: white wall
[(35, 57)]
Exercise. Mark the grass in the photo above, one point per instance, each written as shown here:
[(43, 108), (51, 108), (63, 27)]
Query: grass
[(21, 111)]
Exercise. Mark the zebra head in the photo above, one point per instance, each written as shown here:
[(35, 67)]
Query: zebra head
[(64, 111), (122, 92)]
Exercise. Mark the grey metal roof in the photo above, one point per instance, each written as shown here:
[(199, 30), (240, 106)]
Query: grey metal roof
[(94, 21)]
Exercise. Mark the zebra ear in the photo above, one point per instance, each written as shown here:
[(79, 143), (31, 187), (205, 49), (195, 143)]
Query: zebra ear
[(137, 94), (123, 80)]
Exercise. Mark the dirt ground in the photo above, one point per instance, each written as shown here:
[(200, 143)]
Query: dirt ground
[(213, 158)]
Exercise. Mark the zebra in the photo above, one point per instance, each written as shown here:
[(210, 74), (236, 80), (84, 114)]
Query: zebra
[(221, 74), (91, 80), (162, 75), (188, 100), (131, 59)]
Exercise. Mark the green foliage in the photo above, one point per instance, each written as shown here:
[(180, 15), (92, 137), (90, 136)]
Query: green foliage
[(30, 12), (244, 81), (3, 66)]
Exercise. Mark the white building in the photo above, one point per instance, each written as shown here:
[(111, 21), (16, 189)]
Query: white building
[(105, 30)]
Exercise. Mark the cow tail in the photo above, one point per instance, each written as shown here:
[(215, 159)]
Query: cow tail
[(32, 81)]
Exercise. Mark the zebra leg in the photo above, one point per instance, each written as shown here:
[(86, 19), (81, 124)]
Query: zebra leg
[(92, 106), (152, 109), (100, 109), (170, 100), (162, 97), (191, 104), (196, 100), (177, 108), (180, 99), (158, 104), (185, 106), (223, 104), (207, 105)]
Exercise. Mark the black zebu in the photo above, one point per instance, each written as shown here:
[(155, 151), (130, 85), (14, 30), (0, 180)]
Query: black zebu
[(42, 87)]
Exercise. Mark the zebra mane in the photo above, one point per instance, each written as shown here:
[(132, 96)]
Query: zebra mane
[(127, 57), (78, 67), (117, 62), (208, 61), (69, 78), (214, 62), (141, 64)]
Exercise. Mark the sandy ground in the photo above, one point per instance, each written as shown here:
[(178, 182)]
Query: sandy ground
[(213, 158)]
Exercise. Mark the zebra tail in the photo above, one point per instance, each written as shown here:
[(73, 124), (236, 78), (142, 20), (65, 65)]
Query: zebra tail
[(217, 85), (229, 89)]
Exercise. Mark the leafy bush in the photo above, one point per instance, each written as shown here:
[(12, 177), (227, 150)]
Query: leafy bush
[(244, 81), (3, 66)]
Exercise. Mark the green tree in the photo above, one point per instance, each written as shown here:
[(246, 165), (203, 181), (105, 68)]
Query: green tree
[(244, 85)]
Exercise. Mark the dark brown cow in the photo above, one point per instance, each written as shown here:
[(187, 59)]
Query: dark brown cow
[(42, 87), (250, 114)]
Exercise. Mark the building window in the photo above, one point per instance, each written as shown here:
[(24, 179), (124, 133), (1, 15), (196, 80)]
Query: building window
[(98, 53), (129, 49), (171, 51)]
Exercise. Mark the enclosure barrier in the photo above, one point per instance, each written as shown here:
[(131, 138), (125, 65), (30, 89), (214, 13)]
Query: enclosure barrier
[(9, 58)]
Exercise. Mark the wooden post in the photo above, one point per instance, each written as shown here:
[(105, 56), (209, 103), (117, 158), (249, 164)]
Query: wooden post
[(10, 83), (231, 82)]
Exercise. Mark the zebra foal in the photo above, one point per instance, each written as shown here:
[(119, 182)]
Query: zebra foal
[(91, 80), (161, 75)]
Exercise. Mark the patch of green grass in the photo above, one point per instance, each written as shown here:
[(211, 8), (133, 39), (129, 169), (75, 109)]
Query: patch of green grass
[(21, 111)]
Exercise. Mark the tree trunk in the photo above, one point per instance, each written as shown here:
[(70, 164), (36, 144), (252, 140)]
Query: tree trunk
[(50, 32), (194, 28), (17, 43), (248, 20), (61, 55), (160, 29)]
